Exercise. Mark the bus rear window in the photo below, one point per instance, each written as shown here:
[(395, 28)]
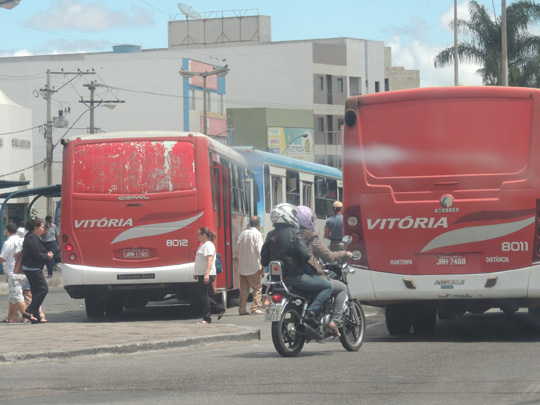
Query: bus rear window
[(134, 167), (446, 137)]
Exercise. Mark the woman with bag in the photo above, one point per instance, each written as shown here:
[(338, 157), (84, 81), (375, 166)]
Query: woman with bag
[(205, 273), (34, 258)]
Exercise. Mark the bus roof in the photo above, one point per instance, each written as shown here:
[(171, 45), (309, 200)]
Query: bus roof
[(256, 158), (148, 134)]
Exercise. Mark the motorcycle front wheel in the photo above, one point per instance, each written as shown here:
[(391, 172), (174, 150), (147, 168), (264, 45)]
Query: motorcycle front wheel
[(287, 341), (353, 328)]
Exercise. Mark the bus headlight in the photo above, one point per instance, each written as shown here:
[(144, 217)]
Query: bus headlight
[(352, 221)]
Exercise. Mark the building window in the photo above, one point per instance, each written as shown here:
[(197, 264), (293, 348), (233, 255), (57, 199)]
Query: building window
[(377, 87), (320, 79), (320, 124), (192, 99), (220, 106), (355, 86), (340, 85), (386, 85)]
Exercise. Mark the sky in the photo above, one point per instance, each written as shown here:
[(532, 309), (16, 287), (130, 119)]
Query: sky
[(416, 30)]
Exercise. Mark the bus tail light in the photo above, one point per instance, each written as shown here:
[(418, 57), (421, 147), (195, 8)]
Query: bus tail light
[(73, 257), (353, 227), (69, 248)]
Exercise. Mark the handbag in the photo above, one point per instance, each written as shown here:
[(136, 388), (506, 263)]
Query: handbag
[(219, 264), (17, 268)]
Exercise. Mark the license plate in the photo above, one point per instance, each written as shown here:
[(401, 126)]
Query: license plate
[(135, 253), (450, 261), (273, 313)]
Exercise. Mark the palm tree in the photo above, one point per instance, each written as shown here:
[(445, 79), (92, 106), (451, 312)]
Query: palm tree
[(484, 46)]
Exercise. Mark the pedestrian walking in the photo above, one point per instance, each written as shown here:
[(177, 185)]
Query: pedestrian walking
[(333, 228), (51, 241), (13, 246), (248, 248), (205, 273), (34, 258)]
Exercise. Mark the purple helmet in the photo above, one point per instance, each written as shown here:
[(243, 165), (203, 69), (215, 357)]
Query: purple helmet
[(306, 217)]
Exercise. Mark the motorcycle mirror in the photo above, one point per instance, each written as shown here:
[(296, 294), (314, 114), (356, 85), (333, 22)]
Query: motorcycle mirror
[(357, 255), (347, 239)]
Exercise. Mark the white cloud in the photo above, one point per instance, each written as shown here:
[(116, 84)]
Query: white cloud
[(420, 54), (448, 16), (70, 14), (20, 52)]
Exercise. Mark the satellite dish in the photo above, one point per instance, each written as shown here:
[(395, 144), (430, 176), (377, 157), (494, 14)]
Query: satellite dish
[(189, 11)]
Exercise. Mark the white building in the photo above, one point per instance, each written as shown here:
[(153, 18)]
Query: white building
[(16, 158), (316, 75)]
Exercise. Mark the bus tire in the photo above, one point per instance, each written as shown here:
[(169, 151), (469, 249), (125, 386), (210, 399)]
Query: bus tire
[(114, 307), (95, 308), (398, 319), (424, 318)]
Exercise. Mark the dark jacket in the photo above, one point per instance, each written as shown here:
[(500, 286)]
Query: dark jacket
[(320, 251), (34, 251), (285, 243)]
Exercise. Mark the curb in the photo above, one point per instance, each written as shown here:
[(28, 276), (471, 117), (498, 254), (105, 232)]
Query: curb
[(249, 334)]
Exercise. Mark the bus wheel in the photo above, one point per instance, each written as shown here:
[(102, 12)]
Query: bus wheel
[(95, 308), (424, 317), (114, 307), (398, 319)]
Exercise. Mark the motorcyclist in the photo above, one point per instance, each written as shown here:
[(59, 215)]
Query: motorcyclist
[(285, 243), (306, 218)]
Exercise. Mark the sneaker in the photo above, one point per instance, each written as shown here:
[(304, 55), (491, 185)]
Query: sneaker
[(49, 276)]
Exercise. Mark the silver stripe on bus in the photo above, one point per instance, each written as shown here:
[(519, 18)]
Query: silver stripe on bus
[(154, 229), (476, 234)]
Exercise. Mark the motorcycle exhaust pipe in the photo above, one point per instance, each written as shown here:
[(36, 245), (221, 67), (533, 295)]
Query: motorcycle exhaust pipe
[(307, 331)]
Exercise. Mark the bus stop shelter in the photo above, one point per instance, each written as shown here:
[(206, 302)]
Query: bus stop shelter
[(54, 190)]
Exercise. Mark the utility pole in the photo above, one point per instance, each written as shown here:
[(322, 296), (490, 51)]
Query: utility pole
[(47, 93), (93, 104)]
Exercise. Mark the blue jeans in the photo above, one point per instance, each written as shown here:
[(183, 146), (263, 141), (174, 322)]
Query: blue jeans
[(53, 247), (313, 284)]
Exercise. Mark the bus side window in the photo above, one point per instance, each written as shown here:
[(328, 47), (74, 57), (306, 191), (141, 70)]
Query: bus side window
[(306, 194), (267, 191), (277, 190), (331, 195), (215, 193), (234, 189), (293, 188), (320, 202)]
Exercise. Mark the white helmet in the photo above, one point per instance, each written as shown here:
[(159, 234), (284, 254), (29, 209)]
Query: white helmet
[(306, 217), (284, 214)]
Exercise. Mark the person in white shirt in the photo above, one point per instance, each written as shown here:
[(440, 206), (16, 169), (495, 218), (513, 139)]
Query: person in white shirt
[(248, 253), (205, 273), (15, 281)]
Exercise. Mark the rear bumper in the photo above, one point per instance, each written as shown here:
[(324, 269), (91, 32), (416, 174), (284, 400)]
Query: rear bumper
[(76, 275), (378, 288)]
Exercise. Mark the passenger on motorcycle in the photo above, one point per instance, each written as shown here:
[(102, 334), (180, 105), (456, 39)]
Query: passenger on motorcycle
[(285, 243), (306, 218)]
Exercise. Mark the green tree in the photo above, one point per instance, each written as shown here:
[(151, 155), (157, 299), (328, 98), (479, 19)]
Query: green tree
[(484, 46)]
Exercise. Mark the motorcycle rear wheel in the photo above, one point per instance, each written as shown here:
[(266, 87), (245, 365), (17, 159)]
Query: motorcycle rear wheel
[(353, 328), (287, 341)]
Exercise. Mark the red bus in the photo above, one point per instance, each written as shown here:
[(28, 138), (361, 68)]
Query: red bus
[(132, 203), (442, 198)]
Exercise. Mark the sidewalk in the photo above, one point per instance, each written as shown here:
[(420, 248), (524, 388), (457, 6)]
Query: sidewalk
[(63, 340), (68, 340)]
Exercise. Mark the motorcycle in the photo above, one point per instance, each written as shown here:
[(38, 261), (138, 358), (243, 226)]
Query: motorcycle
[(288, 306)]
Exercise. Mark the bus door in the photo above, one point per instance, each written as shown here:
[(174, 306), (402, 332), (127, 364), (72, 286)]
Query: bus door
[(223, 242)]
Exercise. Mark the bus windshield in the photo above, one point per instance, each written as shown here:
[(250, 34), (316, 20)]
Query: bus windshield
[(134, 167), (449, 137)]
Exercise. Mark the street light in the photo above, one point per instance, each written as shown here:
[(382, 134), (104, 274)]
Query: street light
[(188, 74), (92, 104), (304, 135)]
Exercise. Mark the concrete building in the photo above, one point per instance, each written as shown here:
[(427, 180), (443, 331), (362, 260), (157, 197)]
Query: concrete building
[(15, 155), (308, 78)]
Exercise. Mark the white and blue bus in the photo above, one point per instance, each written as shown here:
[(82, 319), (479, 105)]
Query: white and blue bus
[(281, 179)]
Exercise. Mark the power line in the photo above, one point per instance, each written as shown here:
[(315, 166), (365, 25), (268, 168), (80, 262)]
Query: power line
[(22, 170), (22, 130)]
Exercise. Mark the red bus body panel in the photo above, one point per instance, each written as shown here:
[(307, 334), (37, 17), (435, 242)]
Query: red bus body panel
[(443, 182)]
